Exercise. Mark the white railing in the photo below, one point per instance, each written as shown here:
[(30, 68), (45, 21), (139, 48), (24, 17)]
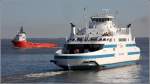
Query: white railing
[(104, 38)]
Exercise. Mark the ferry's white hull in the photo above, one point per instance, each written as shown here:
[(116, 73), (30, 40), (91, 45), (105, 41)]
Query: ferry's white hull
[(107, 57)]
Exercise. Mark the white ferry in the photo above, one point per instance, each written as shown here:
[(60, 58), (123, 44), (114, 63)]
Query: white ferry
[(102, 44)]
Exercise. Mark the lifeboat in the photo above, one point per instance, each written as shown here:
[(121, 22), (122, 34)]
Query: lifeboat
[(21, 42)]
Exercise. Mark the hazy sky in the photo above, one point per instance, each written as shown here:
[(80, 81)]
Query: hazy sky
[(51, 18)]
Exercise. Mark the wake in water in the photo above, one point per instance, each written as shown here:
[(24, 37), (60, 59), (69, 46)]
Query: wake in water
[(45, 74)]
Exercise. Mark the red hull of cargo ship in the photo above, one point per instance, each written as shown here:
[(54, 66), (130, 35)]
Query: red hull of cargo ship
[(27, 44), (21, 42)]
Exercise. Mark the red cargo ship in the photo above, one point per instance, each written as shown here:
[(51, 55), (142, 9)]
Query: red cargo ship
[(21, 42)]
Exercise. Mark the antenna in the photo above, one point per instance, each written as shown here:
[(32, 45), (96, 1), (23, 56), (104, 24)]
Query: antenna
[(116, 12), (84, 15), (116, 20)]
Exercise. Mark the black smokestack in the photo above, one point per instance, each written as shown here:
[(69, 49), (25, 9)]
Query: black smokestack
[(129, 25), (21, 29), (72, 25)]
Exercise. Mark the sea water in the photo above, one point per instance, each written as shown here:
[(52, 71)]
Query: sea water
[(33, 66)]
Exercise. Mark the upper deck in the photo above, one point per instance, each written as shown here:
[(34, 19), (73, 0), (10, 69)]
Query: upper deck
[(101, 29)]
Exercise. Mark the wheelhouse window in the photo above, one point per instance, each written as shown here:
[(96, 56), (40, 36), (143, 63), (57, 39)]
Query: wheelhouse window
[(100, 19)]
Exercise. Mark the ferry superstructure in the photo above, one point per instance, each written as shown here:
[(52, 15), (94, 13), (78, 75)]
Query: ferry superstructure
[(101, 44)]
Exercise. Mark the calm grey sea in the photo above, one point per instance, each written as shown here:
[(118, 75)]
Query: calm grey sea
[(33, 66)]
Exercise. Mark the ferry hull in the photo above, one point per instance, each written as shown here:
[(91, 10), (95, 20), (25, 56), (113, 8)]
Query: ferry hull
[(97, 59), (99, 67), (79, 65)]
